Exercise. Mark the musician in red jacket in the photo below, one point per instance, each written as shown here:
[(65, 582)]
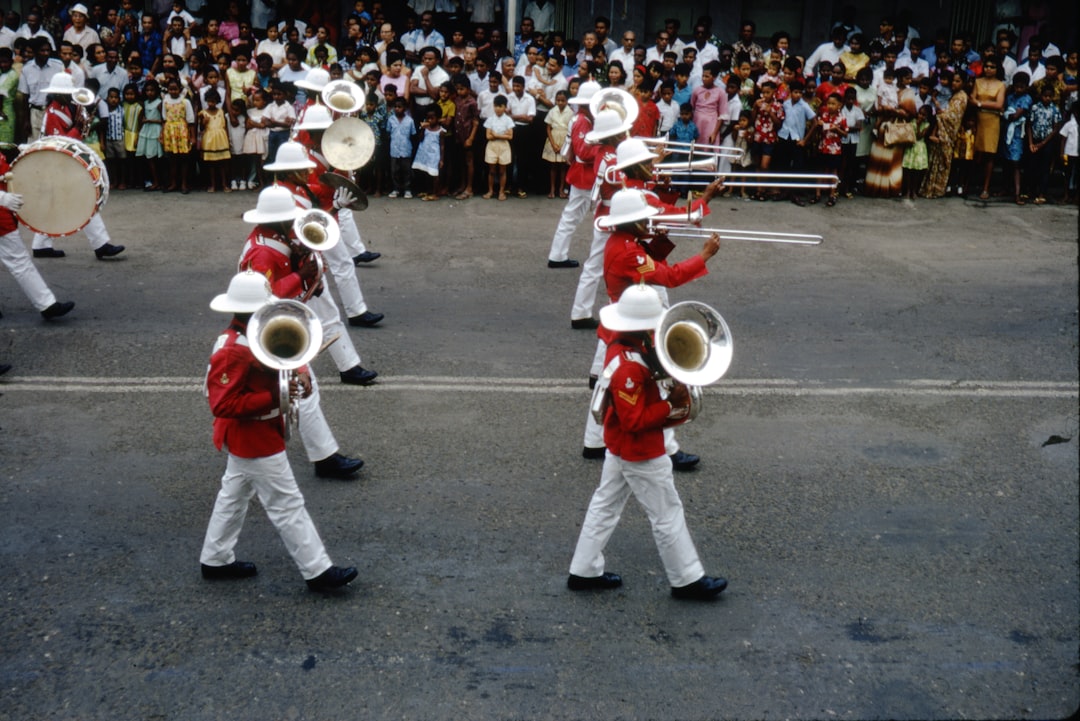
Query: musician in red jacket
[(249, 426), (634, 253), (636, 461), (580, 175), (16, 258), (66, 118)]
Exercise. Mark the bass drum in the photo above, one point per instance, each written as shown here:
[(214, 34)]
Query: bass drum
[(63, 183)]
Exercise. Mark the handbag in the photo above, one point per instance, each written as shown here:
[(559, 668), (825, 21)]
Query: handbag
[(898, 133)]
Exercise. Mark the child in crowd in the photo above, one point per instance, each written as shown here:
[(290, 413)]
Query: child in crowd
[(278, 118), (834, 130), (237, 127), (888, 97), (402, 129), (683, 131), (447, 109), (772, 75), (1017, 104), (113, 117), (743, 134), (669, 111), (499, 129), (916, 159), (215, 141), (177, 135), (557, 123), (854, 118), (648, 119), (682, 89), (255, 137), (132, 120), (149, 144), (431, 151), (466, 125), (1046, 121), (374, 114), (768, 115), (963, 156), (1070, 134)]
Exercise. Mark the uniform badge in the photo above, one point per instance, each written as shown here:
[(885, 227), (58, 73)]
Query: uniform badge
[(224, 380), (645, 264)]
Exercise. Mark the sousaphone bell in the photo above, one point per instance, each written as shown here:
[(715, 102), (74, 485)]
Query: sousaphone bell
[(343, 96), (615, 99), (285, 335), (693, 344)]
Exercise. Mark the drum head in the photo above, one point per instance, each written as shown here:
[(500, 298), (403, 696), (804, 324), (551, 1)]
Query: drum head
[(59, 192)]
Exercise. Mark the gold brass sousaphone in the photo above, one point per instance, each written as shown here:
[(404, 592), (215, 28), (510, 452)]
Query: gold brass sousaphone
[(285, 335), (693, 345)]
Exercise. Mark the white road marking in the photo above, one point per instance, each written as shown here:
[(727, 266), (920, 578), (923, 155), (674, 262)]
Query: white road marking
[(574, 386)]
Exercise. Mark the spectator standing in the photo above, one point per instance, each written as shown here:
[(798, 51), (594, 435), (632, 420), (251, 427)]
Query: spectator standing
[(1046, 121), (988, 98), (177, 135), (402, 129)]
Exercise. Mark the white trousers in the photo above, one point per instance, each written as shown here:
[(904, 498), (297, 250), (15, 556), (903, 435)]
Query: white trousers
[(342, 350), (343, 270), (271, 478), (318, 439), (576, 209), (95, 231), (16, 258), (592, 272), (653, 485), (350, 233)]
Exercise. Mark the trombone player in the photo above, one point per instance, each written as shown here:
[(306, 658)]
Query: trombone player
[(636, 460)]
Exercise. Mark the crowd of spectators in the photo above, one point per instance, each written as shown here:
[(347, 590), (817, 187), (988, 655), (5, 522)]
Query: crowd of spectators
[(889, 112)]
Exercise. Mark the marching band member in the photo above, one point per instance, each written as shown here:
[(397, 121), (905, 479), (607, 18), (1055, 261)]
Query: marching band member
[(636, 460), (316, 80), (64, 117), (342, 263), (243, 396), (633, 253), (581, 175), (16, 258), (288, 266)]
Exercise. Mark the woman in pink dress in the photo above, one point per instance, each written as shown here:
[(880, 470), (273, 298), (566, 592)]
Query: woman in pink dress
[(709, 101)]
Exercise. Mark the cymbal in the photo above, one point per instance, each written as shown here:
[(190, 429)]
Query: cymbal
[(340, 181), (348, 143)]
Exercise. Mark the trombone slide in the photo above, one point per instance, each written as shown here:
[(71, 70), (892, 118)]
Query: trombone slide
[(679, 230)]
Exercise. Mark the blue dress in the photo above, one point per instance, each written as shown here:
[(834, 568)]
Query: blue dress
[(427, 155), (1012, 147), (149, 145)]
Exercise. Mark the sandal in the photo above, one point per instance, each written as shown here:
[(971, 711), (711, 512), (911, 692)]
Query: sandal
[(463, 195), (984, 195), (1020, 201), (486, 196), (830, 202), (520, 194), (502, 196), (815, 200)]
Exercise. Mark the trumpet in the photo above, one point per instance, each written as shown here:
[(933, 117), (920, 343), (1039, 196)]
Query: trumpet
[(284, 336), (684, 230)]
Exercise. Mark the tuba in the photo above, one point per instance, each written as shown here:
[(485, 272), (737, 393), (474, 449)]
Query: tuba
[(693, 345), (317, 231), (343, 96), (285, 335)]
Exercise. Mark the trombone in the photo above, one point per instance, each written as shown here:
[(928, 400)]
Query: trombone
[(683, 230)]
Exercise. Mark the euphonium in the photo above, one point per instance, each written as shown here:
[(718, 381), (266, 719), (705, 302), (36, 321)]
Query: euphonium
[(693, 345), (285, 335), (317, 229)]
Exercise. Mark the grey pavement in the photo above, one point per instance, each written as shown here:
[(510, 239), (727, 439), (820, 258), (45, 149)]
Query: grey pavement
[(880, 482)]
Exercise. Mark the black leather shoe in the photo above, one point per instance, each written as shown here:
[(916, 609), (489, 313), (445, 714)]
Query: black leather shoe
[(358, 376), (57, 309), (4, 368), (563, 264), (366, 257), (593, 453), (48, 253), (683, 461), (331, 578), (593, 380), (337, 466), (108, 250), (366, 319), (236, 569), (584, 323), (705, 588), (596, 583)]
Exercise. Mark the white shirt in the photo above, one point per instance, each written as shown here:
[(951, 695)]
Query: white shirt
[(1071, 132), (825, 51), (7, 37), (24, 32), (919, 67), (653, 53), (86, 38), (437, 76), (626, 59), (543, 17), (669, 113), (525, 105)]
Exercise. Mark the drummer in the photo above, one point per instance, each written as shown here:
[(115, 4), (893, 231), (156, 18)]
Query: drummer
[(67, 119)]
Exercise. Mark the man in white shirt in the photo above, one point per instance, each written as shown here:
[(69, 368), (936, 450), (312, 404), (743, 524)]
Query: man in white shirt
[(706, 51), (71, 67), (426, 79), (522, 109), (656, 52), (32, 29), (110, 74), (830, 51), (911, 57), (675, 43), (36, 76), (542, 13), (625, 54), (79, 32)]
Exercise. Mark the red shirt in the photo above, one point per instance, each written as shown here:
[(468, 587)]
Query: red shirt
[(268, 253), (634, 424), (60, 121), (582, 171), (243, 393), (8, 221), (833, 129), (626, 263), (648, 120)]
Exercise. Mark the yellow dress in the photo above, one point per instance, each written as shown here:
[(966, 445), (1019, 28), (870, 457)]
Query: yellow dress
[(215, 139), (988, 122)]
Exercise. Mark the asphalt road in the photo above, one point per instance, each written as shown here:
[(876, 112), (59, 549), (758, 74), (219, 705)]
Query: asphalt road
[(901, 539)]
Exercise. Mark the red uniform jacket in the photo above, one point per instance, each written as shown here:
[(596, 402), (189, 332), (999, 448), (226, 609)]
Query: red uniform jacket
[(59, 120), (268, 252), (626, 262), (634, 424), (243, 398), (582, 171), (8, 221)]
